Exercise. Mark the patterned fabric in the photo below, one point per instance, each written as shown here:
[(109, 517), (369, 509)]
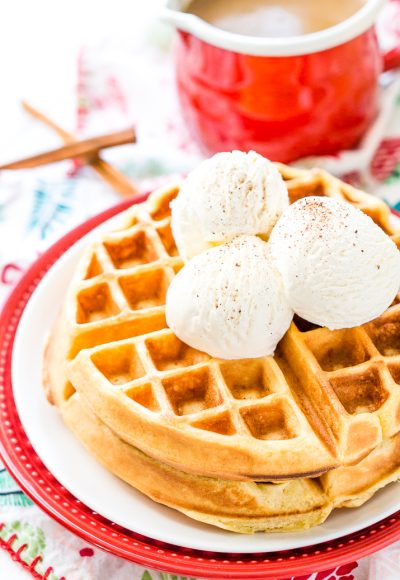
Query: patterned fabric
[(38, 206)]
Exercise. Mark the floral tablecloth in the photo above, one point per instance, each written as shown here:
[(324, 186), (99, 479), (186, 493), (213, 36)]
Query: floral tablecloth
[(121, 85)]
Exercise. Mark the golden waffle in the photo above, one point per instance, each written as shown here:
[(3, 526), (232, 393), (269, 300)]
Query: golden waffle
[(244, 507), (327, 399)]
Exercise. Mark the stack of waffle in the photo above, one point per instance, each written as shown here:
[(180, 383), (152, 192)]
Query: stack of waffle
[(270, 444)]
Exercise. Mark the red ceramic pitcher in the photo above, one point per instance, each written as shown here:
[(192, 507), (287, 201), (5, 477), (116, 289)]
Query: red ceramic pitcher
[(284, 97)]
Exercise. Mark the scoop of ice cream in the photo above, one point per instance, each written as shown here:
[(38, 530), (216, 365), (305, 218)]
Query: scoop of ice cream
[(229, 301), (225, 196), (338, 267)]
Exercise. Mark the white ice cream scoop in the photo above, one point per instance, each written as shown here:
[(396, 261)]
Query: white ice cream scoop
[(225, 196), (229, 301), (338, 267)]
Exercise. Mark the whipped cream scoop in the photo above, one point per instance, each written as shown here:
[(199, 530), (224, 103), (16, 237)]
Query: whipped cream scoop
[(228, 195), (339, 268), (229, 301)]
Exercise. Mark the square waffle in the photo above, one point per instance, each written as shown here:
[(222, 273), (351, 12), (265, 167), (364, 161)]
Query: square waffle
[(238, 506), (326, 400)]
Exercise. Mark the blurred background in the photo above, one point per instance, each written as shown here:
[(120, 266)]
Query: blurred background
[(92, 67), (40, 43)]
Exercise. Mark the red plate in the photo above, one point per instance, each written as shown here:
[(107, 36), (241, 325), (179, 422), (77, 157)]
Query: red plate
[(39, 484)]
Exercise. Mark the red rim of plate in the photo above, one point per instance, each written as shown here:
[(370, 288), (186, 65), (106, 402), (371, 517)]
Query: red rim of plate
[(40, 485)]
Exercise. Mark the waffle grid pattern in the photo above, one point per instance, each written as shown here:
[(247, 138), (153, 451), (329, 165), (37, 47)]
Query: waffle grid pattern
[(122, 285), (361, 356), (164, 375), (359, 371), (51, 496), (121, 288), (129, 270)]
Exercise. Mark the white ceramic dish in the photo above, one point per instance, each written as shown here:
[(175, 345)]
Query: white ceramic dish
[(84, 477)]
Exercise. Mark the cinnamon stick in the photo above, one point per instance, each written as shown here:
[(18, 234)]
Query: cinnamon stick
[(76, 149), (117, 180)]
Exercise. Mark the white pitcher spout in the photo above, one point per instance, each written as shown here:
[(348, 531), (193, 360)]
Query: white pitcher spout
[(180, 19)]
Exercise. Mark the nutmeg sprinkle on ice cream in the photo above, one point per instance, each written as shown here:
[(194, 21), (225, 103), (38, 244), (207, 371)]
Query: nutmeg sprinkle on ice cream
[(229, 301), (339, 268), (228, 195)]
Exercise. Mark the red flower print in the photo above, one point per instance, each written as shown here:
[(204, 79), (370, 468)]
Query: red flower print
[(86, 552)]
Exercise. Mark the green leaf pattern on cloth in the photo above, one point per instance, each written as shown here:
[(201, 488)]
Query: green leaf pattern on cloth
[(32, 538), (26, 534), (395, 177), (10, 494), (172, 577)]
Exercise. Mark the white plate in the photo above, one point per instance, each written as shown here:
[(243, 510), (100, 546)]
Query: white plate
[(80, 473)]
